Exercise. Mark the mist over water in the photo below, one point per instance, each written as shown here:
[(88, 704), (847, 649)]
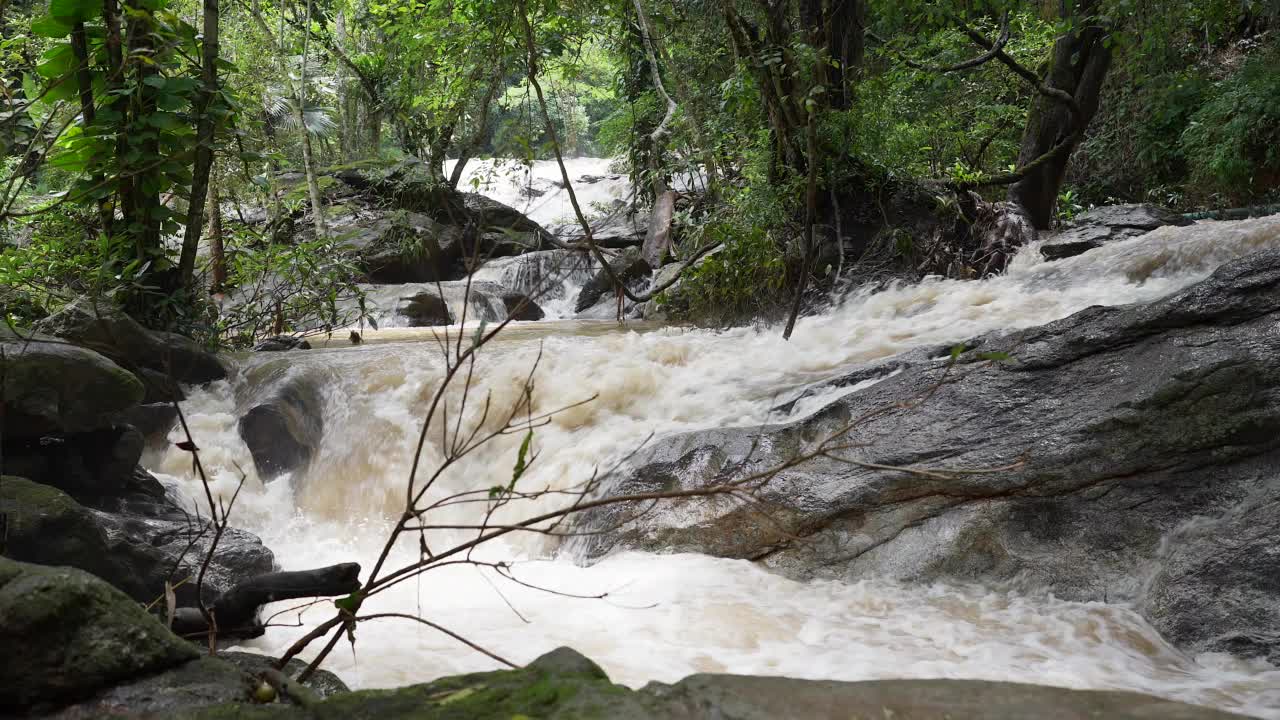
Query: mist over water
[(671, 615)]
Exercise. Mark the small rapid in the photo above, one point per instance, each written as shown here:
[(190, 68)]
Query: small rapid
[(663, 617)]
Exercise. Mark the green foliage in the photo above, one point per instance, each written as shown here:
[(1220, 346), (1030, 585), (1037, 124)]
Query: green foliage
[(1232, 142), (60, 260), (307, 288), (748, 275), (919, 123)]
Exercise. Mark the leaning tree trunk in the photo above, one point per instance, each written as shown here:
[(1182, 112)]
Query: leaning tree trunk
[(1080, 62)]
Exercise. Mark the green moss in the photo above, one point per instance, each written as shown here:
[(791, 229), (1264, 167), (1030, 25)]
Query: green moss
[(561, 686), (75, 634)]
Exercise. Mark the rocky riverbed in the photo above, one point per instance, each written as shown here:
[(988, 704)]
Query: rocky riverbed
[(997, 433)]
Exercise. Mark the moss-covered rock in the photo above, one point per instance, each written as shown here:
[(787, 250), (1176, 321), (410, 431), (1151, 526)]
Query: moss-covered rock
[(48, 527), (167, 357), (564, 685), (136, 553), (66, 634), (51, 386)]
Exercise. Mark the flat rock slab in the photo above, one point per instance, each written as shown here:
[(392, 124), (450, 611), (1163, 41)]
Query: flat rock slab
[(566, 686)]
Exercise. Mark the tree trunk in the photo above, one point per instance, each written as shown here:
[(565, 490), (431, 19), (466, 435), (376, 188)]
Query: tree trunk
[(217, 253), (373, 116), (88, 112), (846, 41), (115, 82), (479, 132), (308, 163), (147, 209), (1080, 62), (205, 128)]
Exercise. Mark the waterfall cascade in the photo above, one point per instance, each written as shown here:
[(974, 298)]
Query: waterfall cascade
[(668, 616)]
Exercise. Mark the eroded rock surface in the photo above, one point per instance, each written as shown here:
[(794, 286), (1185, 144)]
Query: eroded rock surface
[(1116, 427), (1110, 223)]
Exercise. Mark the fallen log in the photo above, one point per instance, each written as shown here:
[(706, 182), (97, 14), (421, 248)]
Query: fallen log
[(235, 612)]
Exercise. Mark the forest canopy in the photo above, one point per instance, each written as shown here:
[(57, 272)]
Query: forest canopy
[(137, 135)]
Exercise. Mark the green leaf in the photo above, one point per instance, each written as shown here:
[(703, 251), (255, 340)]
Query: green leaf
[(350, 603), (50, 27), (522, 459), (74, 10), (57, 61), (997, 356), (957, 351)]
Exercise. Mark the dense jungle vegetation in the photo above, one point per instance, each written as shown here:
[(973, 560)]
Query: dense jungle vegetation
[(134, 133)]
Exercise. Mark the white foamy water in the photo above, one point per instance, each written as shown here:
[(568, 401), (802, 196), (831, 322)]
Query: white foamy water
[(668, 616), (537, 189)]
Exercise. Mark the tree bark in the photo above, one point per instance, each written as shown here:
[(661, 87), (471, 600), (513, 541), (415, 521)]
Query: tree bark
[(88, 112), (217, 253), (1079, 66), (236, 610), (308, 163), (142, 104), (205, 129)]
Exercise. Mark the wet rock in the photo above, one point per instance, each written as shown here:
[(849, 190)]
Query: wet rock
[(425, 309), (153, 420), (397, 246), (323, 682), (1218, 584), (110, 331), (521, 307), (202, 682), (74, 634), (751, 698), (1114, 428), (628, 267), (283, 431), (137, 546), (51, 387), (493, 216), (1100, 226), (282, 343), (564, 685), (621, 229), (90, 465)]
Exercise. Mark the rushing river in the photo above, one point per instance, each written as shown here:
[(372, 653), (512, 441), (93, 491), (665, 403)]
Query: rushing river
[(667, 616)]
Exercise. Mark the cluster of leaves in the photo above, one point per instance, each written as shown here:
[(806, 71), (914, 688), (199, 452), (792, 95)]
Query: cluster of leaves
[(54, 258), (910, 122), (307, 288), (747, 276)]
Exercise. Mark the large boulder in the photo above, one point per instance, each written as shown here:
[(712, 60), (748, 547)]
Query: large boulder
[(205, 681), (283, 430), (493, 216), (399, 246), (425, 309), (67, 634), (94, 466), (1106, 224), (405, 225), (1066, 469), (51, 386), (433, 304), (158, 358), (137, 548)]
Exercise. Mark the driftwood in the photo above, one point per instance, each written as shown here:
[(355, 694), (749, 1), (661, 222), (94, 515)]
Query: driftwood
[(235, 612)]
